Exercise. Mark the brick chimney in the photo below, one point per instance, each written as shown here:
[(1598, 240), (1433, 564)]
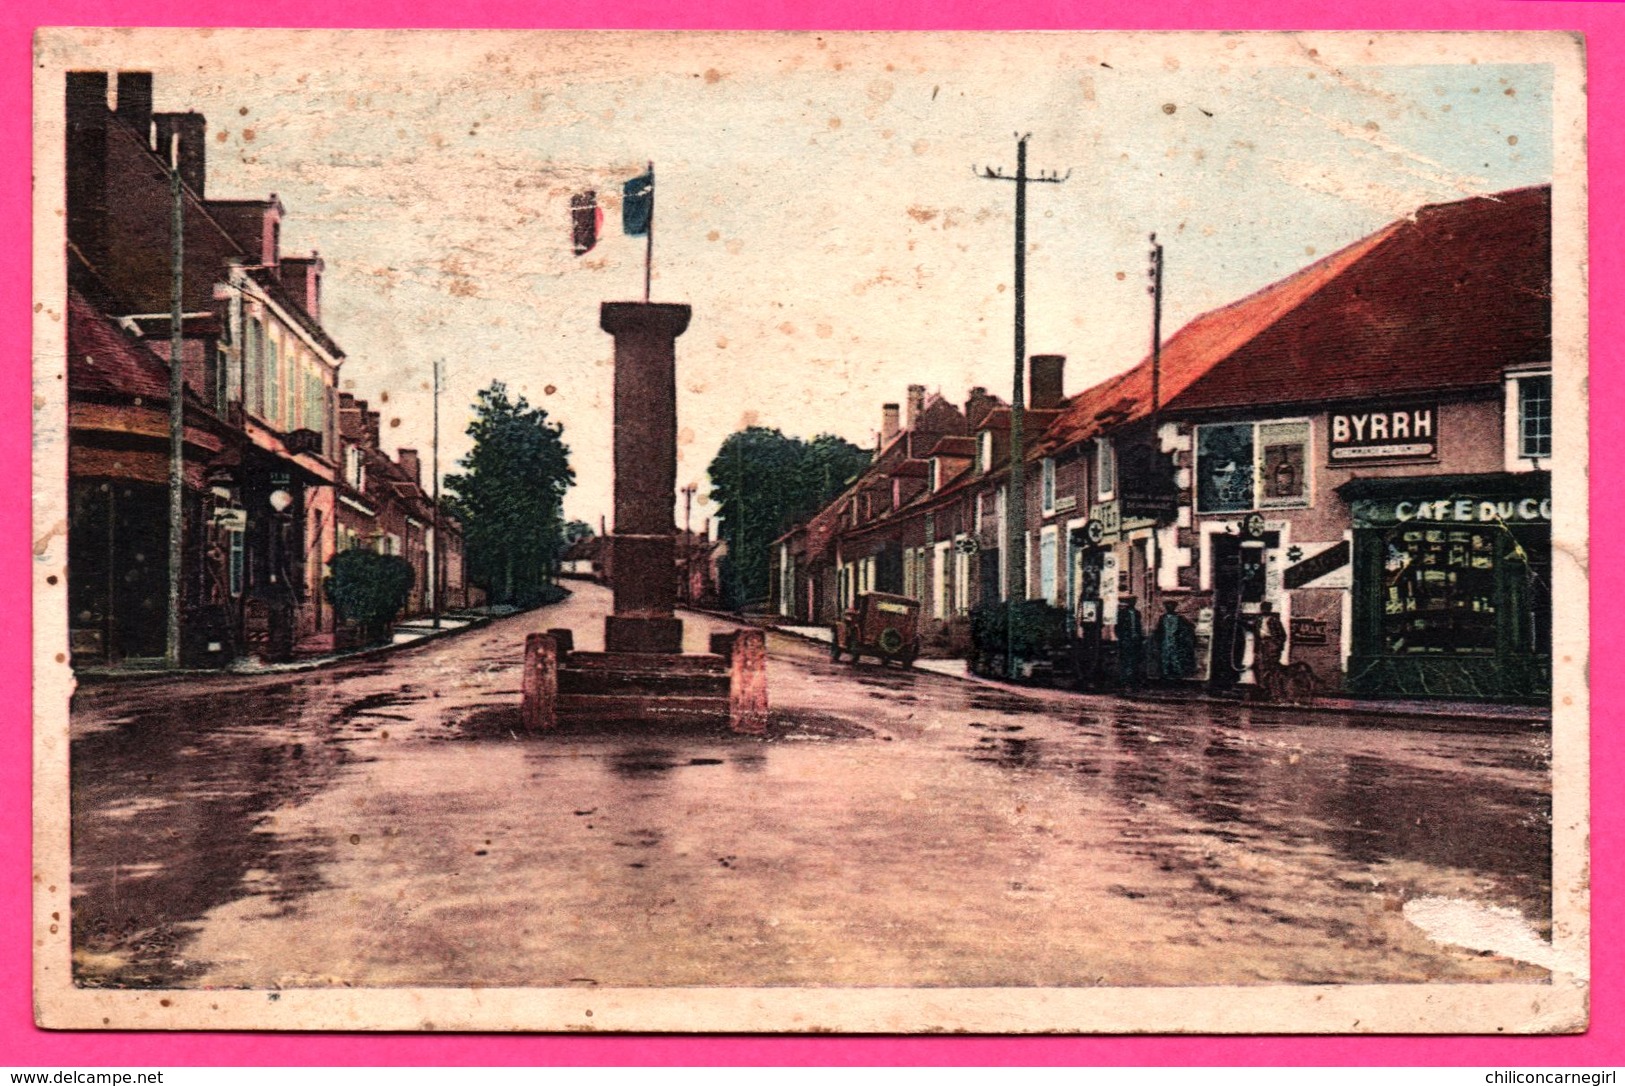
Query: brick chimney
[(87, 164), (1044, 373), (302, 277), (978, 406), (134, 102), (373, 418), (888, 423), (916, 406), (185, 131), (408, 459)]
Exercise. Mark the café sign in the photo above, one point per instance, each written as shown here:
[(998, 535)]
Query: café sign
[(1369, 434), (1370, 513)]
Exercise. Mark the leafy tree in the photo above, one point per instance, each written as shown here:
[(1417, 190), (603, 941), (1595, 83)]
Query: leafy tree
[(510, 497), (575, 530), (369, 589), (764, 482)]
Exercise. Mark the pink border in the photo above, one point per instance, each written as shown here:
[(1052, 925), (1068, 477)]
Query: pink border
[(1603, 23)]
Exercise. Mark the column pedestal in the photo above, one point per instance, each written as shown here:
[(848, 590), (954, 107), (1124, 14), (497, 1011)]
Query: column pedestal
[(644, 577)]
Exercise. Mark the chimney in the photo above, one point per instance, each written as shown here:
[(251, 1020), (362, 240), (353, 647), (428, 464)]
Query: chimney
[(372, 428), (185, 131), (408, 459), (1044, 374), (134, 102), (978, 406), (916, 405), (302, 277), (888, 423), (87, 164)]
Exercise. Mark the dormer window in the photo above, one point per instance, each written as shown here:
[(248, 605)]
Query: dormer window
[(984, 451)]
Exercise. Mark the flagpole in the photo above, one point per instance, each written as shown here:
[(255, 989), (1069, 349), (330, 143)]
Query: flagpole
[(649, 239)]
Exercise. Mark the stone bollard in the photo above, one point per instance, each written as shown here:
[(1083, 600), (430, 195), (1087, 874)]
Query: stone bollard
[(747, 685), (539, 709)]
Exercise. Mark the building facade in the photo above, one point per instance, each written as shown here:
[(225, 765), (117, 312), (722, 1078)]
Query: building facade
[(1362, 449)]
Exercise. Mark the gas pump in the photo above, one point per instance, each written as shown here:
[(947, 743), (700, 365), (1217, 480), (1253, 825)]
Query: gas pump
[(1088, 615)]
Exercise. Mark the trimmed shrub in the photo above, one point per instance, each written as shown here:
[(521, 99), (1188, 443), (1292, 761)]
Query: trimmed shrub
[(1027, 629), (369, 589)]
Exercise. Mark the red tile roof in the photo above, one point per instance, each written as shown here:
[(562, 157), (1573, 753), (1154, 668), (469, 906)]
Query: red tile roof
[(1444, 300), (103, 359)]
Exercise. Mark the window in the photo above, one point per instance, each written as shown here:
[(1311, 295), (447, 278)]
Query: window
[(981, 510), (1105, 469), (984, 451), (961, 579), (1439, 591), (1535, 417), (1247, 465), (1047, 470), (1047, 565), (254, 359), (273, 380)]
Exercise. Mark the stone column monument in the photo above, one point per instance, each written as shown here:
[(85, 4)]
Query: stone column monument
[(643, 540)]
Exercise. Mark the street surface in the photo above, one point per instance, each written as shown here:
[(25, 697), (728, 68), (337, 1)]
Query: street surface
[(385, 822)]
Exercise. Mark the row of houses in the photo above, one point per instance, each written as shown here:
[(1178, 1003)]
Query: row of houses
[(1363, 448), (282, 469), (696, 564)]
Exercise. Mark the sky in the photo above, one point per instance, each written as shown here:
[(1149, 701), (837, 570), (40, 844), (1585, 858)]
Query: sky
[(817, 201)]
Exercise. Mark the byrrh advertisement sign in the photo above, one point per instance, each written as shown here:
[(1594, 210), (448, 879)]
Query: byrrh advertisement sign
[(1364, 434)]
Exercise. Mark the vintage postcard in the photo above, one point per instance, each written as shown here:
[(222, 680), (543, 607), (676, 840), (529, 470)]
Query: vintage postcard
[(1005, 533)]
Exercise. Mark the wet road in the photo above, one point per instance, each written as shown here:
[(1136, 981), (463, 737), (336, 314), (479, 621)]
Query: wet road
[(384, 823)]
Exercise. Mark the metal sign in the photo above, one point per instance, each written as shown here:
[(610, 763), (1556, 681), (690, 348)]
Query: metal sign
[(1309, 631), (1318, 565), (1383, 433), (232, 520)]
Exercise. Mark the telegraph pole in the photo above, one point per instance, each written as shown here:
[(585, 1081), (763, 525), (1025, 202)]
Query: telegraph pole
[(1155, 290), (437, 593), (688, 541), (177, 406), (1015, 536)]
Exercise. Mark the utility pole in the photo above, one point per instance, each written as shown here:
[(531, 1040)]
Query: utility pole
[(1015, 536), (649, 242), (177, 405), (1155, 290), (688, 541), (436, 594)]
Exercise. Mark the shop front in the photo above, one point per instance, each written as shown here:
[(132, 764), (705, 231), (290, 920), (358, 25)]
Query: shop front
[(1452, 586)]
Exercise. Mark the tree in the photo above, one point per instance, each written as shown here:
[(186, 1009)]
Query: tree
[(510, 497), (764, 482)]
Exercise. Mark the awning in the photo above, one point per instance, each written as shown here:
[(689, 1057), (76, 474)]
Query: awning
[(1497, 484)]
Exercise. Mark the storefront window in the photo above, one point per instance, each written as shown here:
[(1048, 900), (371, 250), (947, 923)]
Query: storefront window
[(1439, 590)]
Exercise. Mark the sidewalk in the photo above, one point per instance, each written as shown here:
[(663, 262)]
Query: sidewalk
[(1501, 713), (410, 632)]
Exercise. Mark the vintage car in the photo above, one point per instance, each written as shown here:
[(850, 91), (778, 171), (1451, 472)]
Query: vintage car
[(881, 625)]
